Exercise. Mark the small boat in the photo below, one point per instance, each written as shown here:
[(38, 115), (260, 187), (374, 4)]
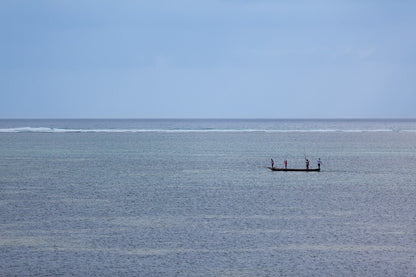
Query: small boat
[(293, 169)]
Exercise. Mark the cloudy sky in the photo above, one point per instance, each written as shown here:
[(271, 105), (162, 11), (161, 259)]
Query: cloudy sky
[(207, 59)]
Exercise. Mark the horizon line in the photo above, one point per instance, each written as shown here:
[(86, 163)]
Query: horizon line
[(207, 118)]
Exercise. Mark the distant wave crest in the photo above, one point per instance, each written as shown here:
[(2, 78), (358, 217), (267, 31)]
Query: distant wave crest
[(62, 130)]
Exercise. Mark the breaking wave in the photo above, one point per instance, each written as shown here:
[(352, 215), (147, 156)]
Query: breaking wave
[(62, 130)]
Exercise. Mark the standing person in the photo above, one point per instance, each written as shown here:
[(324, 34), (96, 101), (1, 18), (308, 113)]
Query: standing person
[(307, 163), (285, 164), (272, 163), (319, 163)]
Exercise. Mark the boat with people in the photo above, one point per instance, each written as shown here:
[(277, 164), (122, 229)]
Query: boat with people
[(293, 169), (307, 169)]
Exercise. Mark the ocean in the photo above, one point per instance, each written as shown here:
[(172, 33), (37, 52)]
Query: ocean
[(176, 197)]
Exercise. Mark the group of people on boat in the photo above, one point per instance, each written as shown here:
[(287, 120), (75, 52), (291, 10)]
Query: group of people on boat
[(319, 162)]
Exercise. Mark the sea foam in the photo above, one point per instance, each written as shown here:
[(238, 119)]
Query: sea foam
[(63, 130)]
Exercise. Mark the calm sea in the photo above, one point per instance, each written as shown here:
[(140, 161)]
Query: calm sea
[(194, 198)]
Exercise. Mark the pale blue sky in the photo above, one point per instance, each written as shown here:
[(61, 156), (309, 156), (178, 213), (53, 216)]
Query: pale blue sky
[(207, 59)]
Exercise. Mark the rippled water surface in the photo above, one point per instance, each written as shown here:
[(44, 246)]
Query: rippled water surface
[(194, 198)]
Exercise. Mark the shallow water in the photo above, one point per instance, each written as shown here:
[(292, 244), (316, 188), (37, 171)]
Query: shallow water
[(194, 198)]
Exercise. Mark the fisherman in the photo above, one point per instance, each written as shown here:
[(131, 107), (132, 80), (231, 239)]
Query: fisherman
[(319, 163), (272, 163), (285, 164), (307, 163)]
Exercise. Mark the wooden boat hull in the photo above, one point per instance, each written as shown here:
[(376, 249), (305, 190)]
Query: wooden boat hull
[(293, 169)]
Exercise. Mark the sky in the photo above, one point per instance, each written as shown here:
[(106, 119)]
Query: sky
[(207, 59)]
